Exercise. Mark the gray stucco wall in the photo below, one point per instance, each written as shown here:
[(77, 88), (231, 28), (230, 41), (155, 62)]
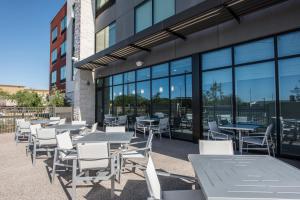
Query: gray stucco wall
[(276, 19)]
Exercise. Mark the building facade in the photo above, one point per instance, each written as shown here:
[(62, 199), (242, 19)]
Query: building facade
[(58, 47), (194, 61)]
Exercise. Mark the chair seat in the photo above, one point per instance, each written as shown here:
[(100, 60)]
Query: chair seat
[(183, 194), (71, 156), (222, 136), (133, 154), (253, 140)]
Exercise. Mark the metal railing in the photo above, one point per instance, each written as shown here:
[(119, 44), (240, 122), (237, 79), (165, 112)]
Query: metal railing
[(8, 115)]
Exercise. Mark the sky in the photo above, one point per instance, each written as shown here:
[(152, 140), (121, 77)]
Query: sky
[(24, 41)]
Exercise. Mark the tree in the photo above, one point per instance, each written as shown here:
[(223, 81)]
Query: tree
[(4, 95), (58, 99), (26, 98)]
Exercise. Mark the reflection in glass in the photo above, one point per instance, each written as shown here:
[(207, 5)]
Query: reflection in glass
[(254, 51), (143, 74), (181, 66), (129, 99), (181, 105), (215, 59), (108, 81), (289, 84), (160, 96), (255, 93), (118, 79), (129, 77), (118, 100), (217, 97), (160, 70), (143, 98), (107, 92), (289, 44)]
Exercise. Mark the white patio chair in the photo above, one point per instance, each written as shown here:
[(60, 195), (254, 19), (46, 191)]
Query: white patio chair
[(78, 122), (23, 131), (112, 129), (135, 153), (209, 147), (121, 121), (33, 133), (139, 126), (62, 121), (94, 157), (216, 134), (159, 114), (259, 141), (45, 141), (63, 153), (162, 127), (107, 120), (155, 189), (54, 118), (17, 126)]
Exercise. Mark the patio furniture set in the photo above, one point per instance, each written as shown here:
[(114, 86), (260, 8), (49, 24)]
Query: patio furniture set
[(219, 174)]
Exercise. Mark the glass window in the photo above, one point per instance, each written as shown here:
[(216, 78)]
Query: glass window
[(107, 100), (63, 73), (106, 37), (54, 55), (215, 59), (160, 96), (217, 96), (108, 81), (163, 9), (118, 79), (289, 86), (129, 99), (289, 44), (255, 93), (118, 100), (254, 51), (143, 74), (129, 77), (143, 98), (160, 70), (63, 49), (100, 3), (181, 66), (63, 24), (53, 77), (54, 34), (143, 16)]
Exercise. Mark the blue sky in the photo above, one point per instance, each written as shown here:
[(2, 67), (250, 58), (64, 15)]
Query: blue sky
[(24, 41)]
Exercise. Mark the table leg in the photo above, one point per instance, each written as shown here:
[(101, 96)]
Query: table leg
[(240, 141)]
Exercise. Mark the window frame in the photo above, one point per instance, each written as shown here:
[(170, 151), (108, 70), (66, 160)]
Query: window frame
[(106, 31), (63, 21), (65, 47), (51, 81), (65, 74), (55, 38), (53, 61)]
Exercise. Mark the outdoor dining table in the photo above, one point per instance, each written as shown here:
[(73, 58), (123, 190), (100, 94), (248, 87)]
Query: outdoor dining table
[(240, 128), (67, 127), (245, 177), (40, 121), (112, 138), (149, 121)]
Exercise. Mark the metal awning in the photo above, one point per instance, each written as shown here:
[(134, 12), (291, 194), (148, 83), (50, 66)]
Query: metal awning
[(200, 17)]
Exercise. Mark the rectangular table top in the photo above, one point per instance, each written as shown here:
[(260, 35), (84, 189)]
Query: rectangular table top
[(69, 127), (40, 121), (246, 177), (245, 127), (113, 138)]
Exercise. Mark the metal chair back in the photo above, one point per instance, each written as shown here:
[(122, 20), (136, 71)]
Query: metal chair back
[(46, 136), (111, 129), (212, 147), (267, 134), (78, 122), (94, 127), (153, 184)]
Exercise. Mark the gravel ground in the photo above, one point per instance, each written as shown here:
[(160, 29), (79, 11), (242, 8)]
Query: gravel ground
[(19, 180)]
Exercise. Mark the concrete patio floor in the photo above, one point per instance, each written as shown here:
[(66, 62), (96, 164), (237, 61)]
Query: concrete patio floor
[(20, 180)]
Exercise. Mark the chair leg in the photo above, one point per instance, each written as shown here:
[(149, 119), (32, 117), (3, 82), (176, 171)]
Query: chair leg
[(268, 147), (74, 180), (112, 190), (34, 155), (54, 166)]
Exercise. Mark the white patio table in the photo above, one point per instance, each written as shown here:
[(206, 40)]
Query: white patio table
[(246, 177)]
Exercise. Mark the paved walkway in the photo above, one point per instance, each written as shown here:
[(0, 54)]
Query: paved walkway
[(20, 180)]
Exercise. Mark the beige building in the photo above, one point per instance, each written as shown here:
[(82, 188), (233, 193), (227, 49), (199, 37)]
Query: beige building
[(12, 89)]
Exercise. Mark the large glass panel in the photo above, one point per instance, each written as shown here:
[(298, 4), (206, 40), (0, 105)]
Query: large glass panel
[(118, 100), (217, 97), (99, 103), (118, 79), (289, 81), (255, 93), (143, 16), (54, 56), (143, 74), (100, 3), (53, 77), (63, 24), (100, 40), (160, 96), (181, 106), (63, 49), (54, 34), (160, 70), (129, 102), (215, 59), (108, 81), (143, 98), (163, 9), (129, 77), (112, 34), (63, 73), (181, 66), (254, 51), (107, 92), (289, 44)]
